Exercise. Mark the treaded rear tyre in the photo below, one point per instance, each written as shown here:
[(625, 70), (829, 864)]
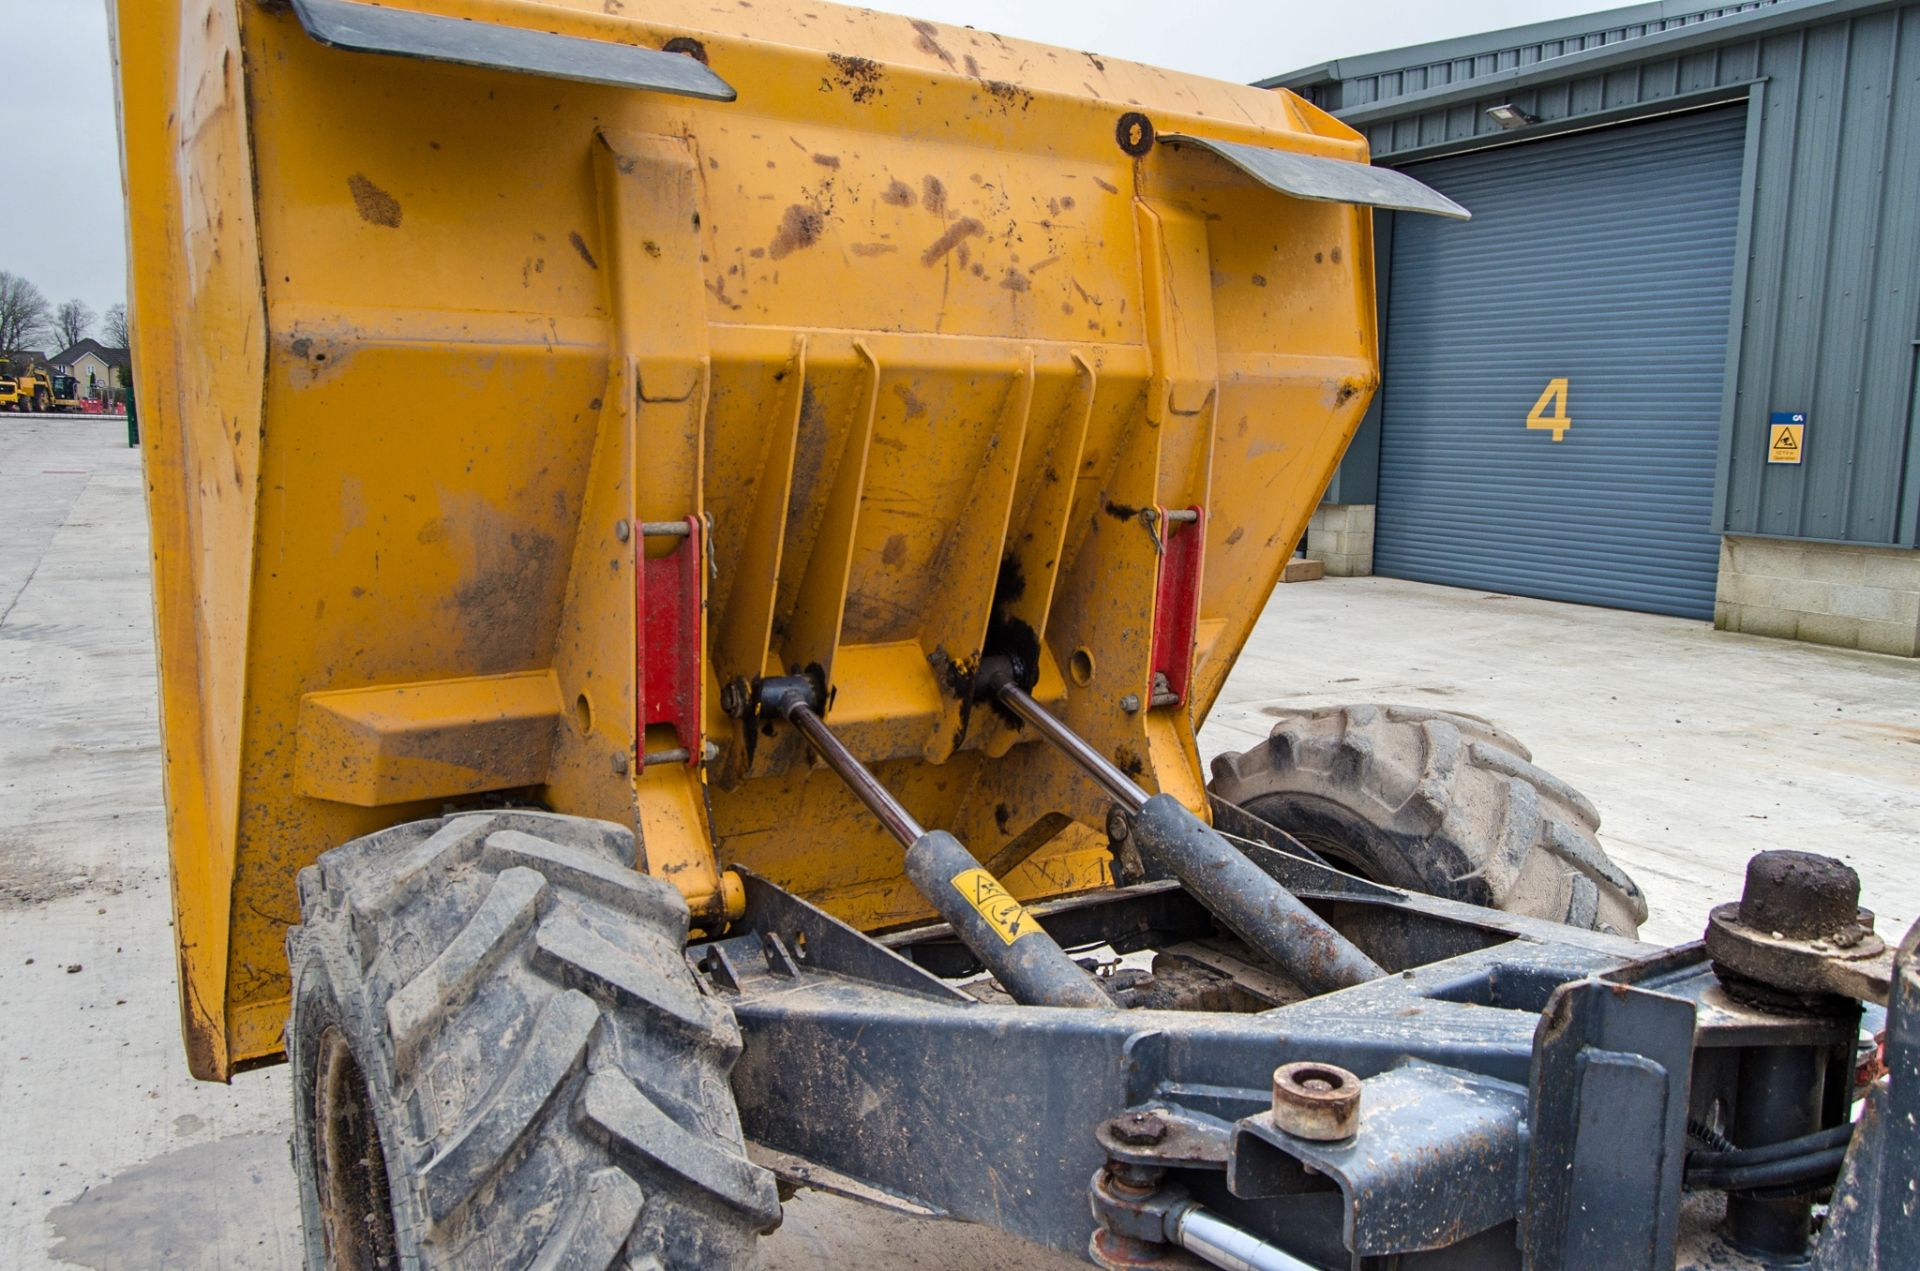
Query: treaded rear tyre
[(1435, 802), (498, 1008)]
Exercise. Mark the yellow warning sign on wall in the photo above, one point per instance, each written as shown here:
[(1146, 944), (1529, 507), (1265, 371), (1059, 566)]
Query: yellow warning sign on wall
[(1786, 436), (1007, 916), (1788, 443)]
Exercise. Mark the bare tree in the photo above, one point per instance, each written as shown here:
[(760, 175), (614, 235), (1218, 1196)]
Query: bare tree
[(24, 312), (113, 328), (72, 321)]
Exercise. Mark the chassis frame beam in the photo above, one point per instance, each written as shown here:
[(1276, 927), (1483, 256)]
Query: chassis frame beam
[(861, 1058)]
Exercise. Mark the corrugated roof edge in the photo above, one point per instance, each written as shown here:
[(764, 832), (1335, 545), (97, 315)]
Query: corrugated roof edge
[(1510, 37), (1786, 14), (1483, 42)]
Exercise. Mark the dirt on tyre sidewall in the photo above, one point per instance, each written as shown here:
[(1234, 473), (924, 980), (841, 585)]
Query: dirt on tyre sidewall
[(1436, 802), (496, 1009)]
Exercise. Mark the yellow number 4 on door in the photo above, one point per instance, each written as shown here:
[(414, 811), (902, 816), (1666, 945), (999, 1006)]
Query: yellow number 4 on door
[(1559, 421)]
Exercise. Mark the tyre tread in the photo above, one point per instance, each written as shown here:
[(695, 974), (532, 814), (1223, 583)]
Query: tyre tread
[(636, 1126), (446, 983), (1456, 806), (575, 955), (499, 966), (553, 1050)]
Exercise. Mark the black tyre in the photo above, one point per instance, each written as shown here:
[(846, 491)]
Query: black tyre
[(1435, 802), (501, 1059)]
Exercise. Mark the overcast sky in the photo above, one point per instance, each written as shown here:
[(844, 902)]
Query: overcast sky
[(60, 214)]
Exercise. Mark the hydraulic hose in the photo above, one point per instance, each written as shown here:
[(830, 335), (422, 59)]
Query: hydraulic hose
[(1814, 1170), (1742, 1157)]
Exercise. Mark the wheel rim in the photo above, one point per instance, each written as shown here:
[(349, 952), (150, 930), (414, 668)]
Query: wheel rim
[(355, 1209), (1337, 850), (1337, 854)]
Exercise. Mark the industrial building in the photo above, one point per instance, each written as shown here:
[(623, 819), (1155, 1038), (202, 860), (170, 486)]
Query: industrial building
[(1670, 365)]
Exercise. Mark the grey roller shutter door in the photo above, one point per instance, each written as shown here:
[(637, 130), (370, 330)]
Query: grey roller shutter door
[(1605, 259)]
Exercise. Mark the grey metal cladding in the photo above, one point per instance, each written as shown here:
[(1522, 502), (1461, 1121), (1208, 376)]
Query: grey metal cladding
[(365, 28), (1572, 100), (1324, 180), (1417, 106), (1605, 258), (1832, 303)]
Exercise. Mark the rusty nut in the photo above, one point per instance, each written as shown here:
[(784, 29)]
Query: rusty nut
[(1139, 1129), (1316, 1101)]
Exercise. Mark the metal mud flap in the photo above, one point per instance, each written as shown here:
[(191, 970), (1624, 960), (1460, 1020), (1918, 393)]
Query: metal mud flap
[(358, 27), (1324, 180)]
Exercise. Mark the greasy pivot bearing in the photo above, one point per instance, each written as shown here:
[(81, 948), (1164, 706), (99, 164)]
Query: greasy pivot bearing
[(1797, 941), (1799, 895)]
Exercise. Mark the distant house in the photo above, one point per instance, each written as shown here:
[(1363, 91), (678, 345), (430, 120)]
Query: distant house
[(94, 366)]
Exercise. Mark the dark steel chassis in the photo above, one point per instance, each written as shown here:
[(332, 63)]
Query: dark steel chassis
[(1527, 1088)]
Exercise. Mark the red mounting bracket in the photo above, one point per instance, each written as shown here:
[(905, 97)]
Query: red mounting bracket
[(1176, 603), (669, 593)]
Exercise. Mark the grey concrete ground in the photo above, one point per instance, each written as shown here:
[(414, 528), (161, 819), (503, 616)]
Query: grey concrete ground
[(1698, 748)]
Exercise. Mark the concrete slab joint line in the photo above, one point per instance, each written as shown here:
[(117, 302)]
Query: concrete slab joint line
[(1700, 748)]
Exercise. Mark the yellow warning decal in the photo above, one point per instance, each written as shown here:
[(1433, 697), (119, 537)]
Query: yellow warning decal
[(1787, 443), (1007, 916)]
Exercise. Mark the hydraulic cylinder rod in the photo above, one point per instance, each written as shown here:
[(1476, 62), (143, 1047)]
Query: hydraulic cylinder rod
[(879, 800), (1255, 907), (996, 928), (1207, 1236)]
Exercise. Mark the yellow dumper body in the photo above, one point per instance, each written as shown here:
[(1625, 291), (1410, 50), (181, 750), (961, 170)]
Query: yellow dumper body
[(497, 422), (24, 386)]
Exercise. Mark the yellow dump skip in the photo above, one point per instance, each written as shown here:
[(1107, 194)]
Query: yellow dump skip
[(498, 423)]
